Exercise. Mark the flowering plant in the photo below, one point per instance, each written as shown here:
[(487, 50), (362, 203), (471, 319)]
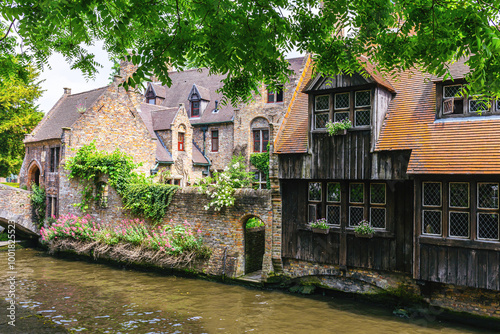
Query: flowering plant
[(364, 227), (173, 239), (335, 127), (319, 223), (220, 188)]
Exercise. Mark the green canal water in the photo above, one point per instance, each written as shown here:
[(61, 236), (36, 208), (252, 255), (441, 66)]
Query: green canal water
[(95, 298)]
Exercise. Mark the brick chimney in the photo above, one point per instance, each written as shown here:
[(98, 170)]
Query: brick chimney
[(67, 91)]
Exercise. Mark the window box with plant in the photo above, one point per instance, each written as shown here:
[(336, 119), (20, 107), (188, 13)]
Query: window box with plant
[(319, 226), (338, 128), (363, 230)]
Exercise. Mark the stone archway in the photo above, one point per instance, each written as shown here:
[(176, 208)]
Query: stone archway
[(34, 173), (255, 244)]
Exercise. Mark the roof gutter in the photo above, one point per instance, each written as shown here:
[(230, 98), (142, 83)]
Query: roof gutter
[(223, 122)]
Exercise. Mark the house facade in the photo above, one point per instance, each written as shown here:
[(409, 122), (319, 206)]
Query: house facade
[(420, 163), (221, 131)]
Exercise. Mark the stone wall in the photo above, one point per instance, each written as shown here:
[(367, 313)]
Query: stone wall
[(113, 123), (225, 228), (222, 157), (364, 281), (15, 205), (38, 154)]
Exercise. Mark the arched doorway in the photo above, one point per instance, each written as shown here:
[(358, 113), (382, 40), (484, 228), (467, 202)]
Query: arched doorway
[(34, 175), (255, 244)]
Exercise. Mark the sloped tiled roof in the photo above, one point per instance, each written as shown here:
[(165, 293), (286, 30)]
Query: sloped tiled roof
[(158, 89), (469, 145), (64, 114), (198, 157), (207, 85), (292, 134)]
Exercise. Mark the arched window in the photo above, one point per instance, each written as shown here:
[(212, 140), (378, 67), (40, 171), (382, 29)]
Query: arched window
[(260, 134)]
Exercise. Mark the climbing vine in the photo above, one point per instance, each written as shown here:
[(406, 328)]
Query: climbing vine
[(139, 194), (149, 200), (261, 162), (38, 202)]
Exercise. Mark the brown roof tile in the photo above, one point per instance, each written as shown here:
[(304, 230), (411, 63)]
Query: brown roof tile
[(64, 114), (292, 134), (447, 146)]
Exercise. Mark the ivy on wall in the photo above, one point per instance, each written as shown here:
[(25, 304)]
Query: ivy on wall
[(139, 194), (38, 203), (261, 162)]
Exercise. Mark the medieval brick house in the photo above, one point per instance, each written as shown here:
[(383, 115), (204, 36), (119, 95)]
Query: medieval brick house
[(421, 164)]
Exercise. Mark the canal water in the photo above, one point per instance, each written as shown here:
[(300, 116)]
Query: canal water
[(95, 298)]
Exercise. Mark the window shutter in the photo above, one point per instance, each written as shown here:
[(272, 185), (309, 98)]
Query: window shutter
[(448, 105)]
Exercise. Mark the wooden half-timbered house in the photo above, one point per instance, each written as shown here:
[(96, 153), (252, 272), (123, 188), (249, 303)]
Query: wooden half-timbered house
[(421, 163)]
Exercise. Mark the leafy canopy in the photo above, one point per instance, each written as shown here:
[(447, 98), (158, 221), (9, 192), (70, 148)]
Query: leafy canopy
[(19, 89), (248, 39)]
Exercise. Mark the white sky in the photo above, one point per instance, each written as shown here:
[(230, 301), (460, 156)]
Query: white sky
[(60, 76)]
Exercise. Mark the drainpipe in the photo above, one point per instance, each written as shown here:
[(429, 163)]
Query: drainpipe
[(204, 128)]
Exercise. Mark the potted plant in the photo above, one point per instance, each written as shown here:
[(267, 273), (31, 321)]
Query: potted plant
[(319, 226), (364, 230), (338, 128)]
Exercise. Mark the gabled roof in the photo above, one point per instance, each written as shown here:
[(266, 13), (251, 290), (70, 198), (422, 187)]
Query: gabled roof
[(207, 86), (201, 93), (159, 118), (292, 134), (64, 114), (158, 89)]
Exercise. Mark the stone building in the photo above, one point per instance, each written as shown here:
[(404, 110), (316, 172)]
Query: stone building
[(109, 116), (221, 131)]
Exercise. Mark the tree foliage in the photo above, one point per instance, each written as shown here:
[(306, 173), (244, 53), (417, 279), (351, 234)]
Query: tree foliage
[(248, 39), (19, 90)]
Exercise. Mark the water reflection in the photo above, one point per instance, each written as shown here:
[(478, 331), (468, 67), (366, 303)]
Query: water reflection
[(91, 297)]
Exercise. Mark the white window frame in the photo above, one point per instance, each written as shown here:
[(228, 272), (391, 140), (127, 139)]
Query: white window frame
[(340, 213), (348, 100), (355, 100), (423, 223), (468, 225), (440, 197)]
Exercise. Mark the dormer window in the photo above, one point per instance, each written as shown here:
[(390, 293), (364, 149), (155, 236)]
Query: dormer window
[(275, 96), (454, 102), (353, 105), (152, 101), (195, 108)]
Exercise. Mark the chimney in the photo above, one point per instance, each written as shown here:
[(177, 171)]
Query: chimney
[(67, 91), (127, 68)]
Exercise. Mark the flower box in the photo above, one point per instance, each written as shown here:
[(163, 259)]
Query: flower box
[(340, 132), (363, 235), (320, 230)]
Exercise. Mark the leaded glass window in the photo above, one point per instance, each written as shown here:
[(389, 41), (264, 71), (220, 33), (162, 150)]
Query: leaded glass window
[(487, 226), (356, 193), (340, 116), (342, 101), (362, 98), (321, 120), (498, 105), (452, 91), (322, 103), (362, 117), (487, 195), (479, 105), (315, 191), (333, 192), (377, 193), (333, 214), (431, 222), (356, 215), (459, 195), (431, 194), (377, 217), (459, 224)]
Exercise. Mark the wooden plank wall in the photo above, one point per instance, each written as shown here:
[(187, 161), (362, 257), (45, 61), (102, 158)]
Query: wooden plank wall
[(392, 252), (478, 268), (344, 157)]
